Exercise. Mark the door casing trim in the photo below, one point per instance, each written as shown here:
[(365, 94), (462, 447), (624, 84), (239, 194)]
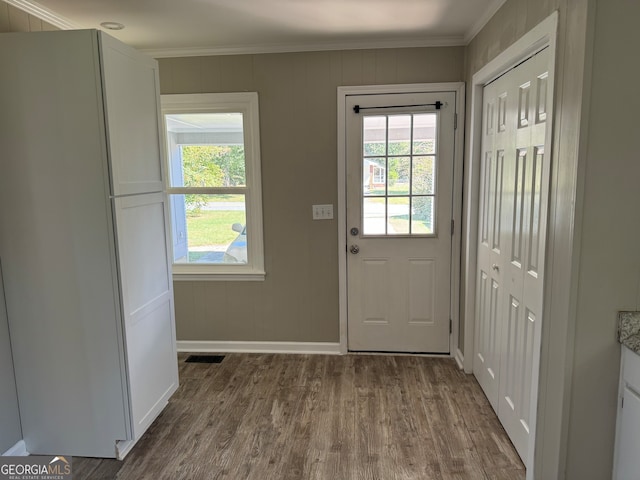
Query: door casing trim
[(343, 92)]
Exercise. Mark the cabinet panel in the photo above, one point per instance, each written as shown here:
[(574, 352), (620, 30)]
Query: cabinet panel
[(628, 463), (147, 294), (151, 361), (631, 368), (131, 95), (144, 271)]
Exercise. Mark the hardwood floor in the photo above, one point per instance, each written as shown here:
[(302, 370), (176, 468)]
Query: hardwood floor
[(286, 417)]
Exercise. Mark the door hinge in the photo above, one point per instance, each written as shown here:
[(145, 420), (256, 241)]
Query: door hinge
[(450, 326), (453, 226), (455, 121)]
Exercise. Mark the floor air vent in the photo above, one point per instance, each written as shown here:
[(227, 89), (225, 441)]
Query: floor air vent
[(204, 358)]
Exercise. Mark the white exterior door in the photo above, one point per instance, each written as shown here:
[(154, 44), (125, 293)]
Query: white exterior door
[(400, 159), (511, 243)]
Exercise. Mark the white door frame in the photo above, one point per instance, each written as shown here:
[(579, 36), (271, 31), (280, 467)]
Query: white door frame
[(541, 36), (343, 93)]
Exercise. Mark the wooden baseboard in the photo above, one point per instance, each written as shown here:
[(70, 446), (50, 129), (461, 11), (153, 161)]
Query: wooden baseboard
[(18, 450), (324, 348)]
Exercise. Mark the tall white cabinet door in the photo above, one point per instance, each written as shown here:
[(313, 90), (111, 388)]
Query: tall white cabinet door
[(147, 303), (131, 97)]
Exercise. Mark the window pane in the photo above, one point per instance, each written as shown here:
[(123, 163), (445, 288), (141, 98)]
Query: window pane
[(423, 175), (399, 177), (399, 168), (375, 135), (424, 133), (209, 229), (374, 216), (399, 134), (374, 176), (422, 215), (206, 150), (398, 216)]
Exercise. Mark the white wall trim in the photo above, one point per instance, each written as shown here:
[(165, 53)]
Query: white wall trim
[(43, 13), (449, 41), (123, 447), (456, 213), (541, 36), (219, 277), (325, 348), (246, 103), (343, 92), (18, 450), (459, 358)]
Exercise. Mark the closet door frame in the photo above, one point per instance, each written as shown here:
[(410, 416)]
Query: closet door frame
[(540, 37)]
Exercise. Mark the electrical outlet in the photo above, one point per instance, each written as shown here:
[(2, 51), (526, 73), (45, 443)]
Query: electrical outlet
[(323, 212)]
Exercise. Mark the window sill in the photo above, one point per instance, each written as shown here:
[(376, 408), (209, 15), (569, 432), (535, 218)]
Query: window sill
[(219, 277)]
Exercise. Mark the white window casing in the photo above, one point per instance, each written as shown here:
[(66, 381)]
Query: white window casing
[(245, 103)]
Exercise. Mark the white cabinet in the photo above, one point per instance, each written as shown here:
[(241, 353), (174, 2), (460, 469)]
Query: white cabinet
[(83, 241), (627, 452)]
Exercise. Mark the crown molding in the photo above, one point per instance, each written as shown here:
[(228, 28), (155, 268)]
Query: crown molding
[(453, 41), (44, 13), (482, 21), (63, 23)]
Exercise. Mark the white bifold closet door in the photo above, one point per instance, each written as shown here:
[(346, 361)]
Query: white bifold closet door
[(511, 243)]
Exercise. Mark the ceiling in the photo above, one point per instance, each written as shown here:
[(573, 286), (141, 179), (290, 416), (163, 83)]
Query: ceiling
[(196, 27)]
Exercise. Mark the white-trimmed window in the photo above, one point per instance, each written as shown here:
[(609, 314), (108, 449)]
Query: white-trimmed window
[(214, 185)]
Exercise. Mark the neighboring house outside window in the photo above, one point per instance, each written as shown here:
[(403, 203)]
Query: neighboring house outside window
[(374, 175), (378, 176), (214, 185)]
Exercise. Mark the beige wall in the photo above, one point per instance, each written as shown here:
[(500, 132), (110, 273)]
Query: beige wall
[(609, 274), (298, 301), (13, 19)]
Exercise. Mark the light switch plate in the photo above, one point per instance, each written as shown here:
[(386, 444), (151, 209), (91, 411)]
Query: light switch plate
[(323, 212)]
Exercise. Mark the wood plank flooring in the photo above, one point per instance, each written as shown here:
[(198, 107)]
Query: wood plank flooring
[(317, 417)]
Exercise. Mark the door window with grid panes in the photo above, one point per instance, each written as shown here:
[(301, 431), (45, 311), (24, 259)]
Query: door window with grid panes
[(399, 174)]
